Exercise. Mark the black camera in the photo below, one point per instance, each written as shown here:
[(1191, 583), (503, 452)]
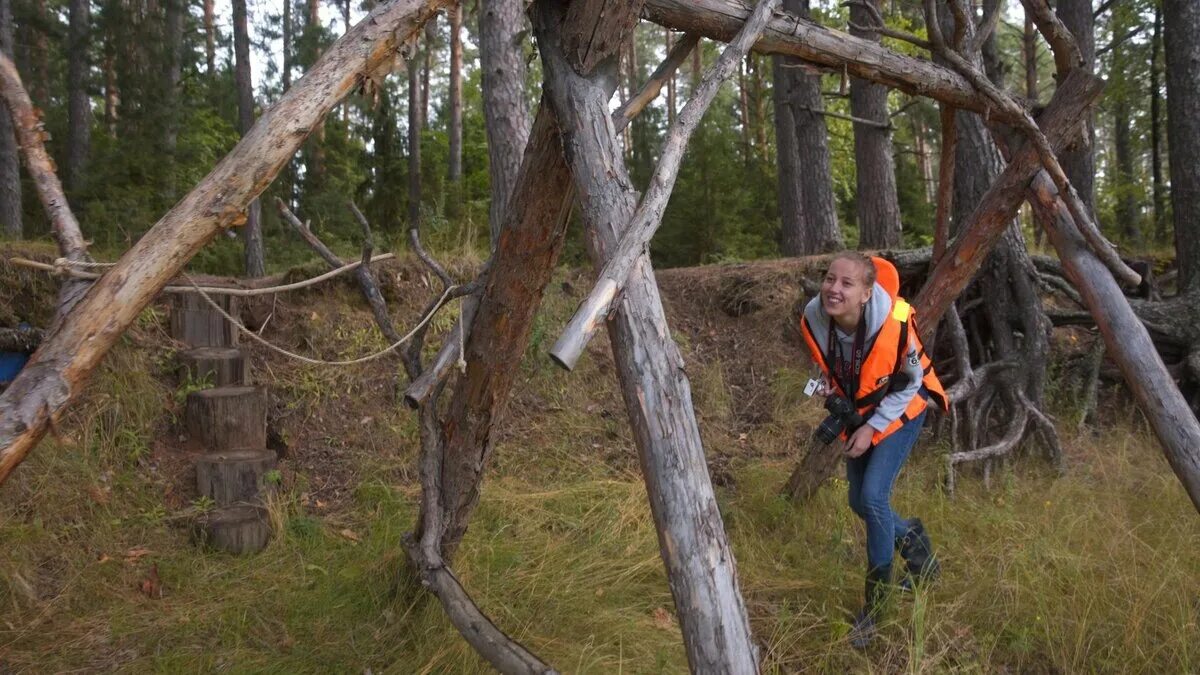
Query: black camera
[(842, 417)]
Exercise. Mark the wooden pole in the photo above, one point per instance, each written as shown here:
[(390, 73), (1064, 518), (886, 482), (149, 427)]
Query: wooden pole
[(692, 542)]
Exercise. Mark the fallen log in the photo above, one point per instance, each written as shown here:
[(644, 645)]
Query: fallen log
[(56, 373), (692, 541)]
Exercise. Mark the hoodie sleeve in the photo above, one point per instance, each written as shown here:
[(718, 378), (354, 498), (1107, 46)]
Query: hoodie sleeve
[(894, 404), (818, 321)]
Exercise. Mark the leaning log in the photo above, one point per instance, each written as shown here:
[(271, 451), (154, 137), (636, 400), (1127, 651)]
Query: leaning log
[(27, 125), (57, 372), (1127, 340), (692, 541), (1060, 122)]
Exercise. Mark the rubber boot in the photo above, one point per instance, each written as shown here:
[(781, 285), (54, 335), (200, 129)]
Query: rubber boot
[(919, 561), (865, 623)]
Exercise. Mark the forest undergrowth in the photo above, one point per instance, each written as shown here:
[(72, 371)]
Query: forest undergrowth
[(1094, 570)]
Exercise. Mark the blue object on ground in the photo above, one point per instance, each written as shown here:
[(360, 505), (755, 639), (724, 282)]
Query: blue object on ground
[(11, 363)]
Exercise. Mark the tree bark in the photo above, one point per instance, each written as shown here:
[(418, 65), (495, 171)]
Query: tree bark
[(670, 81), (505, 112), (57, 372), (10, 161), (252, 230), (700, 564), (454, 170), (876, 202), (807, 208), (1079, 162), (79, 113), (1181, 38), (427, 48), (112, 95)]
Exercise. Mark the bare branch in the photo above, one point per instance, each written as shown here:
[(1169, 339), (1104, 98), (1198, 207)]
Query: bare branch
[(649, 91), (1066, 51), (840, 116)]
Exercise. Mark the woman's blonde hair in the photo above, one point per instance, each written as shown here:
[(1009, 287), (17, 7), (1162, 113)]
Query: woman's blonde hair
[(868, 267)]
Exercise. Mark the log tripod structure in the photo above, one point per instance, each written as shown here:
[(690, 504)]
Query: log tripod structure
[(226, 419)]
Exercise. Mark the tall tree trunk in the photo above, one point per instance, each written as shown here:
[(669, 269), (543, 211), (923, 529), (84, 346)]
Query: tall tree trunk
[(924, 161), (385, 198), (10, 161), (670, 42), (315, 166), (876, 201), (112, 91), (743, 86), (172, 70), (426, 67), (505, 112), (39, 55), (1181, 23), (1123, 178), (210, 36), (1079, 162), (414, 143), (286, 74), (1156, 173), (1029, 54), (454, 168), (252, 230), (79, 112), (806, 205)]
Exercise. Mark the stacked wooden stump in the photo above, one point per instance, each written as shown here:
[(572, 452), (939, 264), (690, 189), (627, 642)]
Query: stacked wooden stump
[(228, 422)]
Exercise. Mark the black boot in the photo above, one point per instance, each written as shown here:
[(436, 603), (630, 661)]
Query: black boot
[(864, 629), (917, 551)]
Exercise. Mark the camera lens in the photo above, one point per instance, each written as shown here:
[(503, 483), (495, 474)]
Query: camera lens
[(829, 428)]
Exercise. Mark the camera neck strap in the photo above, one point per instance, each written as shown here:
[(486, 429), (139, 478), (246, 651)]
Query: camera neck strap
[(845, 371)]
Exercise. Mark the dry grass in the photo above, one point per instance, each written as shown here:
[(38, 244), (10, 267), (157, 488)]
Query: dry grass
[(1095, 571)]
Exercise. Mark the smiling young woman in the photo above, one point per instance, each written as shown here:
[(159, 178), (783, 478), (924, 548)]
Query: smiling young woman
[(860, 334)]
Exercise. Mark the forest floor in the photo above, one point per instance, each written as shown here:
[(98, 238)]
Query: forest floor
[(1096, 570)]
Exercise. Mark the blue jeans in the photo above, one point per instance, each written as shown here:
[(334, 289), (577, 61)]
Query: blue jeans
[(871, 477)]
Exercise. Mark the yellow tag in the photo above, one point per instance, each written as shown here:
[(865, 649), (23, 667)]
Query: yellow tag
[(901, 310)]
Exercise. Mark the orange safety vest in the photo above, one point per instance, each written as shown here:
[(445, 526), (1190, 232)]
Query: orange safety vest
[(882, 363)]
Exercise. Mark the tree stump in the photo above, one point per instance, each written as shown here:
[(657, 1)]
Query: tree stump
[(227, 418), (238, 529), (219, 366), (233, 476), (196, 324)]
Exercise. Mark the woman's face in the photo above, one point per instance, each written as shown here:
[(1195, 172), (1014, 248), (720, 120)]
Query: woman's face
[(844, 291)]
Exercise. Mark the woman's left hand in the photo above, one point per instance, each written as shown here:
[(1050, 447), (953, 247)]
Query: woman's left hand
[(860, 441)]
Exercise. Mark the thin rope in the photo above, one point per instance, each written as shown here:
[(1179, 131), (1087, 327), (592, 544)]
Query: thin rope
[(63, 266), (318, 362)]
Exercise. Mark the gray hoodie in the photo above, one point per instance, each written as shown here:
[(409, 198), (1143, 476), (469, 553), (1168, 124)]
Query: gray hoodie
[(876, 312)]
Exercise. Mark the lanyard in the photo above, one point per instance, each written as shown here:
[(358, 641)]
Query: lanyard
[(846, 371)]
